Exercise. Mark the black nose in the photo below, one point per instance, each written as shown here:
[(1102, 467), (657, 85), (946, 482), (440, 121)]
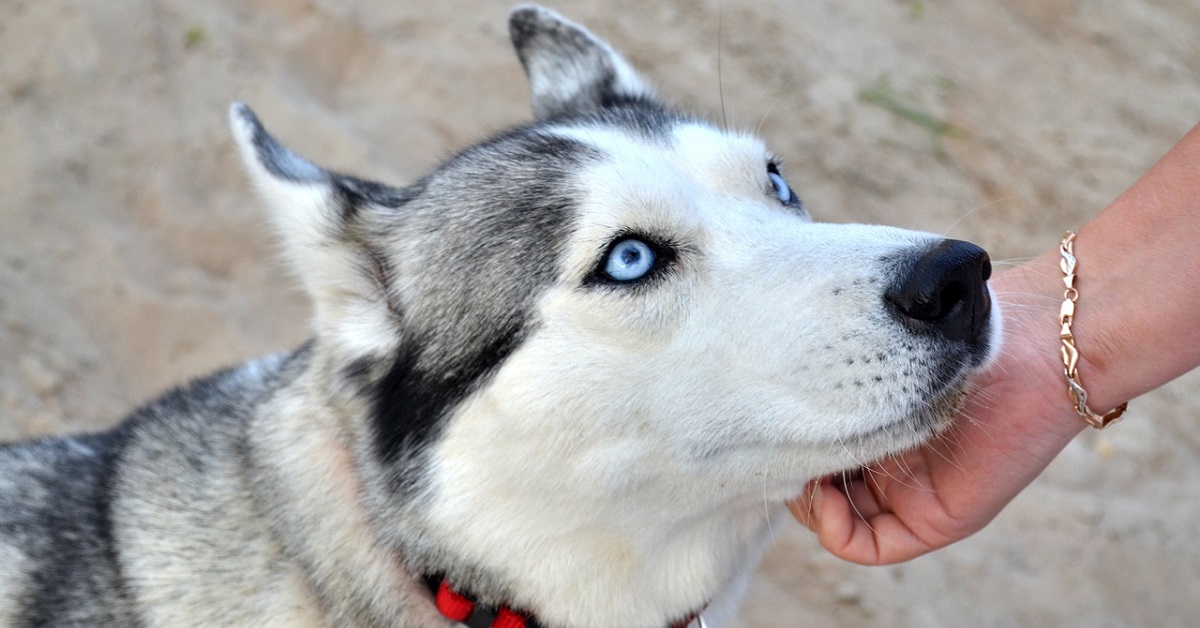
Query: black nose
[(944, 292)]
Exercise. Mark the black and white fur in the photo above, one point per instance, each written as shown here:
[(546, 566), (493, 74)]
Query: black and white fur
[(483, 399)]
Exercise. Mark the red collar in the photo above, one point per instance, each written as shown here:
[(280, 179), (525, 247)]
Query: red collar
[(459, 607)]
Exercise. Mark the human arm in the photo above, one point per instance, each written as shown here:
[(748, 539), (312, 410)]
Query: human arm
[(1135, 327)]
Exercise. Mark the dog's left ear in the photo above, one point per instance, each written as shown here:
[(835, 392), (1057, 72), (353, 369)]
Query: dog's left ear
[(318, 213), (570, 71)]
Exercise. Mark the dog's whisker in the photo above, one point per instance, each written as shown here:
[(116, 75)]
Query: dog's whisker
[(857, 461), (847, 481), (720, 72), (766, 502), (1012, 261), (952, 459), (767, 114), (975, 210), (878, 471), (902, 463), (812, 495), (1020, 297)]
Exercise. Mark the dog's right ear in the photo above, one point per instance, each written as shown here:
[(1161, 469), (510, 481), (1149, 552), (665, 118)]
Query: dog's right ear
[(570, 70), (315, 210)]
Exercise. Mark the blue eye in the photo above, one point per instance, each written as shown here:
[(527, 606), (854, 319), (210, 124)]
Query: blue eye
[(629, 260), (781, 187)]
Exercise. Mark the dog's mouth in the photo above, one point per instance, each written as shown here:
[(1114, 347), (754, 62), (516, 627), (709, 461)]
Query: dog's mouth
[(939, 413), (931, 416)]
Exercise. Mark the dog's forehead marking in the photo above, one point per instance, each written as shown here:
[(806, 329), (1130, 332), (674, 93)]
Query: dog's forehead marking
[(693, 146)]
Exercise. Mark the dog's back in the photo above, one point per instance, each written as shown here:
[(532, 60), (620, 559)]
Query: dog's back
[(82, 519), (56, 533)]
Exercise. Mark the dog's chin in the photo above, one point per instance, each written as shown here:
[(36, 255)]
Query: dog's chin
[(931, 418)]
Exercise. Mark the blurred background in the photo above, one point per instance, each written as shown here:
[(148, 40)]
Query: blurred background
[(133, 253)]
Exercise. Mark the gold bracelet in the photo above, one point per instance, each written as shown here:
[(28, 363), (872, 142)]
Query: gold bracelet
[(1070, 354)]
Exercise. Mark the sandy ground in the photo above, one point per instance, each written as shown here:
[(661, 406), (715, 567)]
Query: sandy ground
[(133, 253)]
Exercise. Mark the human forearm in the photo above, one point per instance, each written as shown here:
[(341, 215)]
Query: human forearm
[(1139, 289), (1135, 321), (1139, 282)]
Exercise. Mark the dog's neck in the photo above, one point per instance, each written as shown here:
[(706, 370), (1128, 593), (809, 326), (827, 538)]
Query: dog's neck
[(579, 531)]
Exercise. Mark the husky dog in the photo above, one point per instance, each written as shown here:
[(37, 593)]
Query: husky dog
[(566, 380)]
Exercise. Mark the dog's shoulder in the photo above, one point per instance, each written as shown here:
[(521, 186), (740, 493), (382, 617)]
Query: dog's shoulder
[(42, 476), (65, 503), (54, 529)]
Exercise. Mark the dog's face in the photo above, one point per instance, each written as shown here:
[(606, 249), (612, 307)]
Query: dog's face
[(612, 325), (752, 349)]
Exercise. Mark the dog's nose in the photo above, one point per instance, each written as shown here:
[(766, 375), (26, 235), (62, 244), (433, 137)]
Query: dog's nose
[(945, 292)]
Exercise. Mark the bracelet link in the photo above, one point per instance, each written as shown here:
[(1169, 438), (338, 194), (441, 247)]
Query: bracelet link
[(1069, 352)]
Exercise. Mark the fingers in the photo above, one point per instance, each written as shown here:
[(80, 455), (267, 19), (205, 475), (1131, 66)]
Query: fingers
[(841, 525), (852, 522), (865, 501)]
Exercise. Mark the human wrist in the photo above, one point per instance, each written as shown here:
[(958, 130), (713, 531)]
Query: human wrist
[(1030, 366), (1069, 350)]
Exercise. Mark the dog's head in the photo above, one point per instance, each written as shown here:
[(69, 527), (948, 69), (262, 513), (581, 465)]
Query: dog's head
[(604, 338)]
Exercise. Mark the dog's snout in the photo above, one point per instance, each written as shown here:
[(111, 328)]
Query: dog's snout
[(945, 292)]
